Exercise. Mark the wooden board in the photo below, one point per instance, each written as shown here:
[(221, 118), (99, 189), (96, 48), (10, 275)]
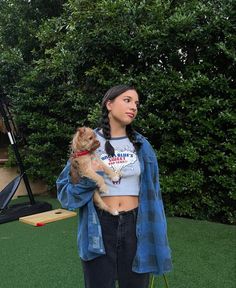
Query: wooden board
[(41, 219)]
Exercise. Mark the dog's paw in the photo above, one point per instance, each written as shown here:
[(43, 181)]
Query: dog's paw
[(115, 178), (119, 173), (111, 211), (115, 212)]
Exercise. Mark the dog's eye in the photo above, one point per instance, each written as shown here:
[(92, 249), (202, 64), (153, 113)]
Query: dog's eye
[(90, 138)]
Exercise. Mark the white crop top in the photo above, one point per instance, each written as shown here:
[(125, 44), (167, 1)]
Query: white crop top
[(125, 161)]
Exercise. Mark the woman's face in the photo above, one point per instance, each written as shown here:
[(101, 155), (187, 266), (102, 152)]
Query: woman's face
[(123, 109)]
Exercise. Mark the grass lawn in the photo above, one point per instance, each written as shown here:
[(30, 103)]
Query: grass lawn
[(204, 254)]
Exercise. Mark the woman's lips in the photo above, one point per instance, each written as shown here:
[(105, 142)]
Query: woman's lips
[(131, 115)]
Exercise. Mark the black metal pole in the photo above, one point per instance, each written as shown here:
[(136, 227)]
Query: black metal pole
[(16, 151)]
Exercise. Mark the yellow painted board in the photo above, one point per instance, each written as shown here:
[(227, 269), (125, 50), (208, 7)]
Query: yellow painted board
[(41, 219)]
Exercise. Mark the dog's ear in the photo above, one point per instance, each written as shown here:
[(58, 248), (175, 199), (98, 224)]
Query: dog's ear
[(81, 131)]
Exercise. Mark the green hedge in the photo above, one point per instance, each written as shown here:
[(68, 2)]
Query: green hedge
[(181, 57)]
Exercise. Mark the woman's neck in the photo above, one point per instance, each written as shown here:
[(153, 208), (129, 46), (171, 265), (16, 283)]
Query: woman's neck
[(118, 131)]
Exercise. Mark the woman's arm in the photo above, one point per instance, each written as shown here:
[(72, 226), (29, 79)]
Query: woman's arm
[(72, 196)]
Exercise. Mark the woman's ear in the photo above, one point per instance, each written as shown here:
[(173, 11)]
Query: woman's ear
[(109, 105)]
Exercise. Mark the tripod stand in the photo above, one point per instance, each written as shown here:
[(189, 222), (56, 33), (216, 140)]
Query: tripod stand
[(16, 211)]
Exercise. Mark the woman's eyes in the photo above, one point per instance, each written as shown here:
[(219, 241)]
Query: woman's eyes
[(127, 100)]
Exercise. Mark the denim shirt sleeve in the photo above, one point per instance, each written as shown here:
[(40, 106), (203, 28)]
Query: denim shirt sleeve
[(72, 196)]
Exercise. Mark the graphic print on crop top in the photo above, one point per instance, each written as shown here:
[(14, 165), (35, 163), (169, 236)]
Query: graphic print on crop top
[(120, 160), (124, 161)]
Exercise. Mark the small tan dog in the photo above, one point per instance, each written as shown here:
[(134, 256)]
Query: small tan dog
[(83, 145)]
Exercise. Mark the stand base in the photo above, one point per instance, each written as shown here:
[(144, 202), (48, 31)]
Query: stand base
[(16, 211)]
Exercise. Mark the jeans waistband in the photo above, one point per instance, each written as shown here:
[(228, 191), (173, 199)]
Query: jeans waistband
[(133, 212)]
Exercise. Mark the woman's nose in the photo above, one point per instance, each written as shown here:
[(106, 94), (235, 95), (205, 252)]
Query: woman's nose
[(133, 106)]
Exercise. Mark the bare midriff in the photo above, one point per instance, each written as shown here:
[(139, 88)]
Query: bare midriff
[(121, 203)]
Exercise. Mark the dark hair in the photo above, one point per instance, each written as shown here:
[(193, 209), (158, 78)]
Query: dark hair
[(111, 94)]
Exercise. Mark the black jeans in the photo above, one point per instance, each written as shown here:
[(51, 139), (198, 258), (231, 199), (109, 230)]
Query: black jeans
[(119, 236)]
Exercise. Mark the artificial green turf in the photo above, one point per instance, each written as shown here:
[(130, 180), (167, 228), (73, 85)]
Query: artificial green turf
[(204, 254)]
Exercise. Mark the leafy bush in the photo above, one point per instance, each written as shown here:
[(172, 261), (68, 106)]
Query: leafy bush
[(181, 57)]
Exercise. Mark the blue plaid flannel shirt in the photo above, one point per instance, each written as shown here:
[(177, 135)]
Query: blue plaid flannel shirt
[(153, 254)]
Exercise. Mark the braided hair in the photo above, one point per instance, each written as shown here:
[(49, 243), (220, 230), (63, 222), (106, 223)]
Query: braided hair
[(111, 94)]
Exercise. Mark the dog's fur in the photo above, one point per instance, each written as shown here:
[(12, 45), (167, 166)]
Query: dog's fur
[(81, 165)]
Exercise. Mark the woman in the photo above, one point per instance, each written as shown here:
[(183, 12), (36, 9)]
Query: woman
[(129, 246)]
